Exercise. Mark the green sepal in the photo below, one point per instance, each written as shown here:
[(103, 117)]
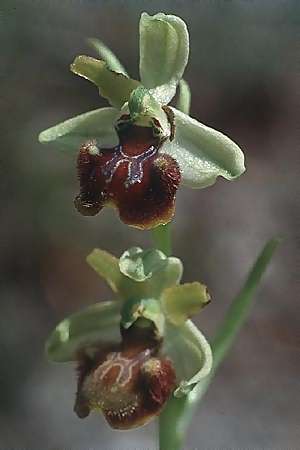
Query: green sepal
[(164, 50), (72, 133), (108, 56), (146, 308), (84, 332), (190, 353), (113, 86), (184, 301), (202, 153)]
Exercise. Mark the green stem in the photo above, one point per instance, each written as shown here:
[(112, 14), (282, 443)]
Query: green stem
[(178, 413), (163, 239)]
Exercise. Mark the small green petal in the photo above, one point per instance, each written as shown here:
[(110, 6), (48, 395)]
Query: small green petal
[(203, 153), (82, 331), (184, 97), (191, 355), (108, 56), (71, 134), (113, 86), (146, 308), (184, 301), (164, 50), (139, 264), (107, 266)]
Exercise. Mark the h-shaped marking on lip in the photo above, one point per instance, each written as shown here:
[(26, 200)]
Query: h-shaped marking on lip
[(135, 165), (125, 366)]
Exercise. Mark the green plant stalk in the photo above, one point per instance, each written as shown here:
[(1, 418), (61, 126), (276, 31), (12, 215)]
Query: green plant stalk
[(178, 413), (163, 239)]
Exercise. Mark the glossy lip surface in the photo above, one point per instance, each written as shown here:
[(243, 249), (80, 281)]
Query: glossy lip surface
[(133, 176)]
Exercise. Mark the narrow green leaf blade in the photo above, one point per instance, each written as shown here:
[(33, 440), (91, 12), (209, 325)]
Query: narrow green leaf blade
[(178, 413)]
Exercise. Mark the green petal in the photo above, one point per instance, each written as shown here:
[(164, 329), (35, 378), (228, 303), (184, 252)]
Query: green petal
[(184, 97), (97, 124), (113, 86), (183, 301), (164, 50), (107, 266), (82, 331), (108, 56), (203, 153), (191, 355)]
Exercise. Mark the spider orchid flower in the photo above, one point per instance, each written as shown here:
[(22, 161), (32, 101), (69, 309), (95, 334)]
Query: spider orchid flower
[(135, 154), (134, 352)]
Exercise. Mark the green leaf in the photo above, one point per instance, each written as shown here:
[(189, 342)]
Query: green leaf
[(83, 331), (184, 301), (71, 134), (113, 86), (203, 153), (140, 265), (190, 353), (178, 413), (164, 50), (184, 97), (108, 56)]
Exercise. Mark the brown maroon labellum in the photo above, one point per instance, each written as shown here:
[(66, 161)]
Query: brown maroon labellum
[(134, 176), (129, 383)]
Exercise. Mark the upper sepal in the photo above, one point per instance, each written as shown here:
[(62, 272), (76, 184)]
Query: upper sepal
[(164, 50), (113, 86), (84, 332), (203, 153)]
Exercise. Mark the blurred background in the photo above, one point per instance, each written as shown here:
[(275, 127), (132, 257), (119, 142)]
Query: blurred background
[(242, 72)]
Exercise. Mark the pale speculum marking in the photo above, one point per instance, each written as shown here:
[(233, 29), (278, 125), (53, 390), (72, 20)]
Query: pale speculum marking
[(135, 165), (125, 366)]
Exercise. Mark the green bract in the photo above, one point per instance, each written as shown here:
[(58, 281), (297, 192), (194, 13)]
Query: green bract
[(201, 152), (147, 285)]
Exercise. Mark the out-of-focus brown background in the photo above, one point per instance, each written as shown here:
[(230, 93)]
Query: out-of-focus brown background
[(242, 73)]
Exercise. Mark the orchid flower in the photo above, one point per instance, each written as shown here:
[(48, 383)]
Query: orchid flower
[(134, 154), (136, 351)]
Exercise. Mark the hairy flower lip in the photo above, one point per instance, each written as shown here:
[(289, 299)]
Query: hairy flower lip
[(129, 382), (134, 176)]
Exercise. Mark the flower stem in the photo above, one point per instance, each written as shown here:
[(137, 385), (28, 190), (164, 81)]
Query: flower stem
[(178, 413), (163, 239)]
